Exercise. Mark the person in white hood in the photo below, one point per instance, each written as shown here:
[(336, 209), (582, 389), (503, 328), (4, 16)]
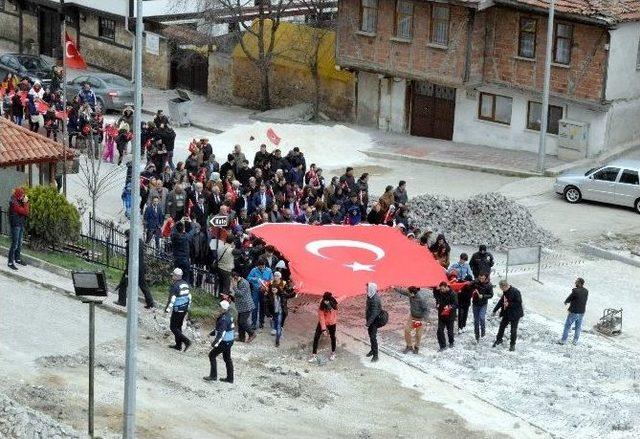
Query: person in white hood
[(374, 316)]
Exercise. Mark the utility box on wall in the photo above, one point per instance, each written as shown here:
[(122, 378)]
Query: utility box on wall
[(573, 138)]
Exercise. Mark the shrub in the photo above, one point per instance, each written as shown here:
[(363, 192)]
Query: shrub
[(52, 221)]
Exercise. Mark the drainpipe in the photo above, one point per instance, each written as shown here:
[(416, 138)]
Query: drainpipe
[(20, 31), (467, 55)]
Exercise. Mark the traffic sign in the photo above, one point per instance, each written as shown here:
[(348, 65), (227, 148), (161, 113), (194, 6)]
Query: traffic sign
[(219, 221)]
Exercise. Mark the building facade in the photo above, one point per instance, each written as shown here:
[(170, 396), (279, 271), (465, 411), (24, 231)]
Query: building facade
[(99, 30), (473, 71)]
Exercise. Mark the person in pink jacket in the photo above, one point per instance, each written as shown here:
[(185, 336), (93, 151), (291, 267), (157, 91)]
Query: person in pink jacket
[(327, 319)]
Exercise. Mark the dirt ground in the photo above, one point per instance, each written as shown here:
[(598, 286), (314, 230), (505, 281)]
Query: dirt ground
[(277, 391)]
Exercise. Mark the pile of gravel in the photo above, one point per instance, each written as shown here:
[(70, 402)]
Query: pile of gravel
[(17, 421), (490, 219)]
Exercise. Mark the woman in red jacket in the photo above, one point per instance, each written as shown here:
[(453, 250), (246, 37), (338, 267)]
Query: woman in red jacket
[(327, 319)]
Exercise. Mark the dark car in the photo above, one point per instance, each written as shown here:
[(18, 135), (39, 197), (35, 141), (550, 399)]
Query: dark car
[(34, 67), (112, 92)]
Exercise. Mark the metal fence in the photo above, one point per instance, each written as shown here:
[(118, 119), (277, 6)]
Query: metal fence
[(105, 243)]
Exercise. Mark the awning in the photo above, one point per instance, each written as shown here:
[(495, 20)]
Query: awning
[(343, 259)]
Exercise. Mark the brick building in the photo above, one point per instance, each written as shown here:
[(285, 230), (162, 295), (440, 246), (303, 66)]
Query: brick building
[(472, 71), (99, 29)]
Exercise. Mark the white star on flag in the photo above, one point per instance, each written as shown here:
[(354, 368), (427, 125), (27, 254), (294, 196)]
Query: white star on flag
[(357, 266)]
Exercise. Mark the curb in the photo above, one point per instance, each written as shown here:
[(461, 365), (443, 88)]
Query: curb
[(195, 125), (448, 164), (47, 266), (606, 254)]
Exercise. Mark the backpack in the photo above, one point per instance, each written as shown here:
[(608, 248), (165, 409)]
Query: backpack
[(382, 319)]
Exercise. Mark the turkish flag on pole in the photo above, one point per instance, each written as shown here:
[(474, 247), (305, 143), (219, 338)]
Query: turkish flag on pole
[(72, 57), (273, 136), (343, 259)]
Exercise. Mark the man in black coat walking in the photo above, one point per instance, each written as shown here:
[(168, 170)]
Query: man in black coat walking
[(372, 314), (510, 306), (447, 303), (142, 283), (481, 262)]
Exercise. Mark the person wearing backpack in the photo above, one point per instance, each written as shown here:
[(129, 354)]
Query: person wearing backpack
[(376, 318), (446, 302)]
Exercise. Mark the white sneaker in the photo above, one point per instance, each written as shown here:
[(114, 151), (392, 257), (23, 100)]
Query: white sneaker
[(313, 359), (460, 331), (332, 357), (273, 332)]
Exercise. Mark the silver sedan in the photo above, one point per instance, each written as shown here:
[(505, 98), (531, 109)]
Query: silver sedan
[(615, 183)]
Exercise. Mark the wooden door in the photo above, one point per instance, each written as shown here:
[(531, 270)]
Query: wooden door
[(432, 110), (189, 70), (49, 33)]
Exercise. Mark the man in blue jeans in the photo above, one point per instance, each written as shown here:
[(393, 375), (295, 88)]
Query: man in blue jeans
[(18, 212), (481, 292), (258, 278), (577, 301)]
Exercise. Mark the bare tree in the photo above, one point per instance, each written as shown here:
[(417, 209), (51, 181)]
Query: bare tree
[(96, 179), (319, 17), (258, 18)]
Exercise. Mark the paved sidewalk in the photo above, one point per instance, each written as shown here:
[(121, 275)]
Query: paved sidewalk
[(456, 155)]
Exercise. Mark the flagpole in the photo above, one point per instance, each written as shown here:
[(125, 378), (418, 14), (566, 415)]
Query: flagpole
[(64, 96)]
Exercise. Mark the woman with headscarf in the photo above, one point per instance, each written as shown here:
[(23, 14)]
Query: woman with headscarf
[(441, 250)]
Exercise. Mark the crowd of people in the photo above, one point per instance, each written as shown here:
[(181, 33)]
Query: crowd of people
[(253, 280)]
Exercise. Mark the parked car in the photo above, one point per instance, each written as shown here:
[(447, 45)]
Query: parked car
[(615, 183), (34, 67), (113, 92)]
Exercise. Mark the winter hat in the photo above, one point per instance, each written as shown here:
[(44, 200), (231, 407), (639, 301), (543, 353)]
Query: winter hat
[(372, 289), (215, 177), (224, 305), (281, 264), (19, 193), (177, 272), (277, 275)]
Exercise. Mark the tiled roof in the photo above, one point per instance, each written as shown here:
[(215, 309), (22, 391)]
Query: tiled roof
[(610, 11), (19, 146)]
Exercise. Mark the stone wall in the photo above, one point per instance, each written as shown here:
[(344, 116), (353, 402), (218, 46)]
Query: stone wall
[(292, 86), (9, 22), (112, 56), (220, 86)]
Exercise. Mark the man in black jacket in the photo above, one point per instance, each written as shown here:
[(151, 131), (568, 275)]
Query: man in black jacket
[(142, 283), (510, 306), (447, 303), (481, 292), (577, 301), (481, 262), (372, 313)]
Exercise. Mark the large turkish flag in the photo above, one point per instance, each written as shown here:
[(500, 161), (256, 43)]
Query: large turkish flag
[(342, 259)]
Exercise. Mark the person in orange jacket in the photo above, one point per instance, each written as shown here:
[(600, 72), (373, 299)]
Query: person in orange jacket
[(327, 319)]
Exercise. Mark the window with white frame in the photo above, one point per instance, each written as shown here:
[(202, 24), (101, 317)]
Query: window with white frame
[(404, 19), (368, 15), (440, 25)]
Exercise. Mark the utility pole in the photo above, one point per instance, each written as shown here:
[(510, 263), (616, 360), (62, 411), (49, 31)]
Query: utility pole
[(129, 418), (63, 15), (544, 111)]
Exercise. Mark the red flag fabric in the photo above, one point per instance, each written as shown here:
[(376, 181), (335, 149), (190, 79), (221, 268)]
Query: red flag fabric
[(72, 56), (41, 106), (273, 136), (60, 114), (343, 259)]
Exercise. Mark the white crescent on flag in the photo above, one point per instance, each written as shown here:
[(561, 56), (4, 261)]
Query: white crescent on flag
[(66, 49), (314, 247)]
